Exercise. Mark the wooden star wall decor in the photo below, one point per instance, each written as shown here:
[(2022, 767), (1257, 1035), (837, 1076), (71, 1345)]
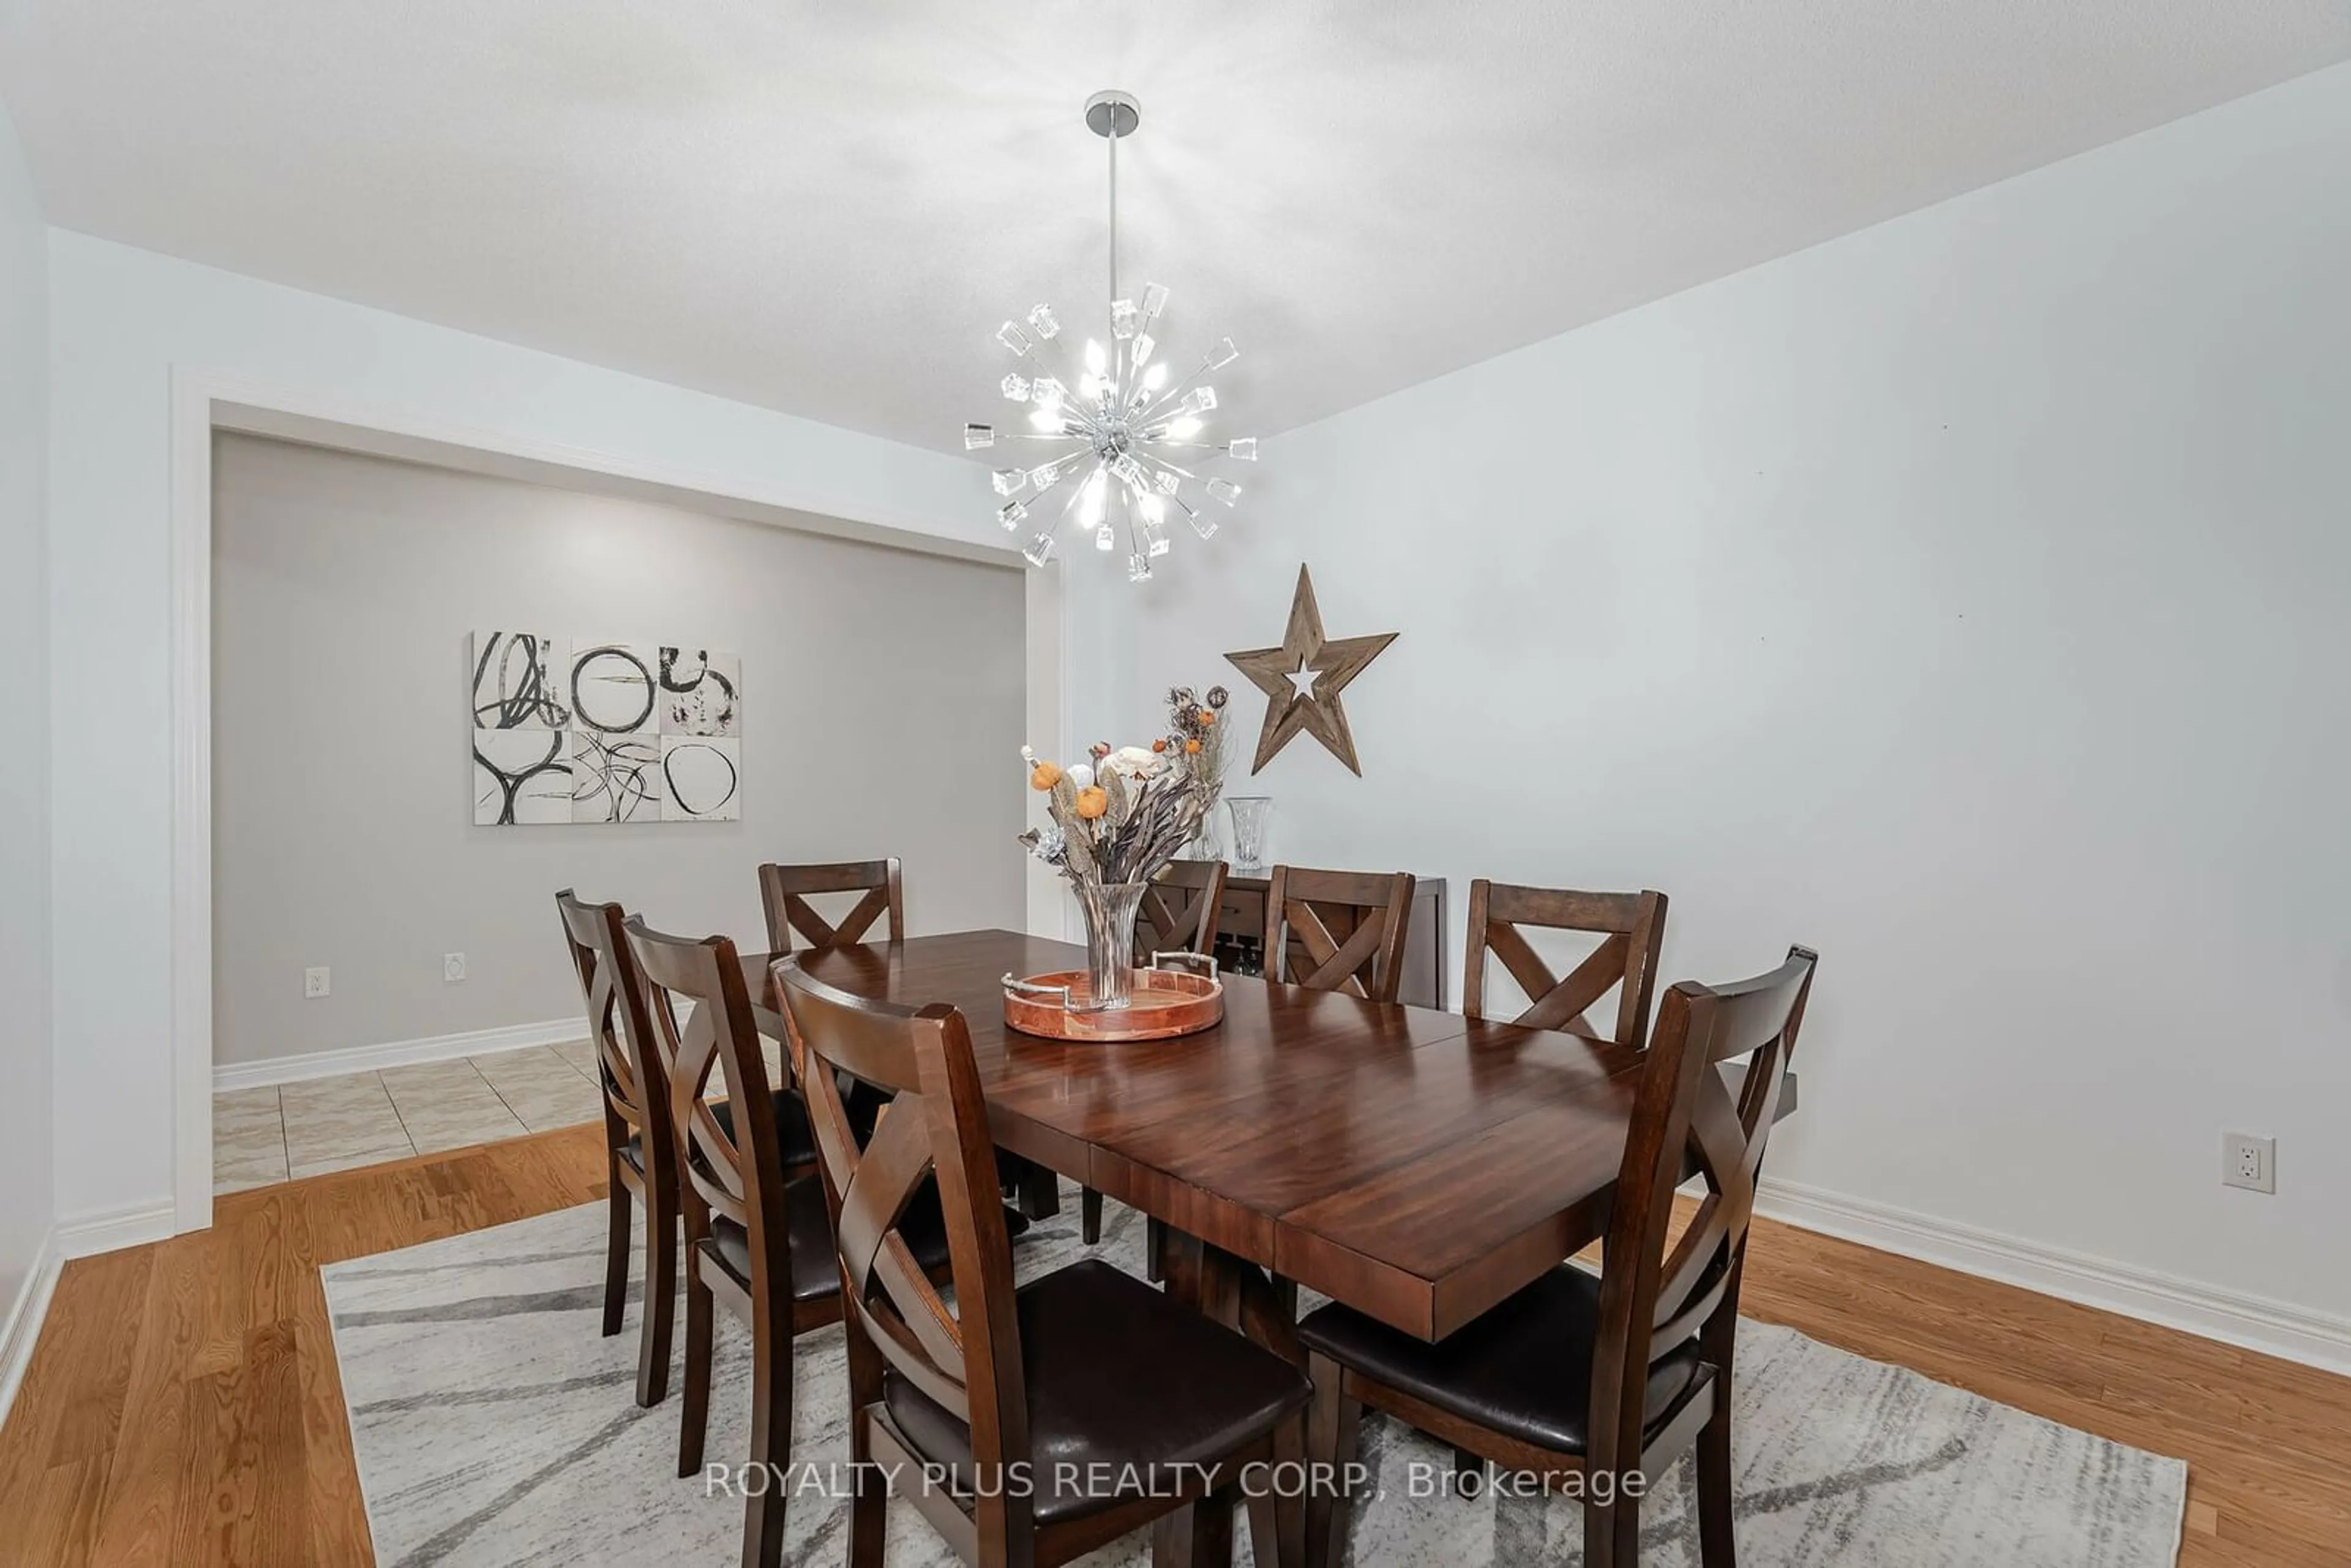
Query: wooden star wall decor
[(1301, 681)]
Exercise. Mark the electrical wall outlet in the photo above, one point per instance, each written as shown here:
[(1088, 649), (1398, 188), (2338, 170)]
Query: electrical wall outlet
[(2248, 1162), (453, 966), (315, 981)]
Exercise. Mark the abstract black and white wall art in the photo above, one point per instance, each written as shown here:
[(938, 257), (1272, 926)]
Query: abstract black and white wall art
[(698, 692), (702, 778), (521, 777), (612, 688), (616, 777), (589, 730), (519, 681)]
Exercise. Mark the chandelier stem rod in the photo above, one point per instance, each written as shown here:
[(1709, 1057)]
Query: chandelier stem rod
[(1112, 139)]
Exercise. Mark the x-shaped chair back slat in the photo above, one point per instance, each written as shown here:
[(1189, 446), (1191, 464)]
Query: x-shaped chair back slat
[(785, 892), (616, 1017), (1375, 908), (704, 1018), (1685, 1123), (967, 1360), (1631, 926), (1178, 911), (878, 1267)]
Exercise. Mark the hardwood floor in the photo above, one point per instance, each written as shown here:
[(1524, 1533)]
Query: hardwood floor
[(184, 1408)]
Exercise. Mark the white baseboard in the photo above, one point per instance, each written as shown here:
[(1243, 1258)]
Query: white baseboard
[(26, 1315), (2252, 1322), (112, 1230), (233, 1075)]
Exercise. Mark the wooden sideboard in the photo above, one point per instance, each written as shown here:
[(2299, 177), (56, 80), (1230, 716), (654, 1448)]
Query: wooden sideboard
[(1240, 936)]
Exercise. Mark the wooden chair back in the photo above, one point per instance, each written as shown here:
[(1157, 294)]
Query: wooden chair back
[(966, 1361), (635, 1076), (703, 1015), (785, 892), (1178, 913), (1684, 1120), (1299, 903), (1631, 925)]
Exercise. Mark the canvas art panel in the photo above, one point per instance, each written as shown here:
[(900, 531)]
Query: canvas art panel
[(615, 688), (702, 777), (616, 777), (701, 692), (601, 730), (520, 680), (521, 777)]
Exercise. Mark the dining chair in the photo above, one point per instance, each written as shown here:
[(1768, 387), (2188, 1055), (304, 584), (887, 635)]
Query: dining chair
[(759, 1237), (1301, 905), (1631, 925), (1177, 913), (1589, 1380), (755, 1238), (784, 895), (639, 1155), (1082, 1376), (785, 892), (1374, 909)]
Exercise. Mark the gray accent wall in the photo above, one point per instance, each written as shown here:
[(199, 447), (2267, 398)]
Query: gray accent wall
[(882, 704)]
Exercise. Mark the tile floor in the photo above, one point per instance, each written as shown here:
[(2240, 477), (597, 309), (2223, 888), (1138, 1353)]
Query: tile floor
[(273, 1135)]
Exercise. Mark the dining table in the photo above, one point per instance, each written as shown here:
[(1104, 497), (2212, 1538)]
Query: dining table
[(1419, 1165)]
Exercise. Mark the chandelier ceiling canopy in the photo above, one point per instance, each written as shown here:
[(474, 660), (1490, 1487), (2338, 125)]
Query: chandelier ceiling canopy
[(1118, 424)]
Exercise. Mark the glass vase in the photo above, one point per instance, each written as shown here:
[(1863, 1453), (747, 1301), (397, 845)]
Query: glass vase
[(1109, 909), (1252, 815), (1204, 845)]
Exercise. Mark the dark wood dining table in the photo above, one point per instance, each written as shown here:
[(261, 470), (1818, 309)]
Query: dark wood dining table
[(1419, 1165)]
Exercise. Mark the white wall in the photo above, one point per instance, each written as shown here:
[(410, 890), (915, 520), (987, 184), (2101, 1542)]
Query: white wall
[(122, 321), (345, 589), (1964, 598), (24, 1058)]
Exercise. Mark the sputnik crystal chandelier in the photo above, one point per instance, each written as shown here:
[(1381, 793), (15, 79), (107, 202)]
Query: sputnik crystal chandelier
[(1130, 434)]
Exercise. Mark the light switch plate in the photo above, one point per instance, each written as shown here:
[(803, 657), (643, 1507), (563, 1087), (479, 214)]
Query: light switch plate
[(316, 981)]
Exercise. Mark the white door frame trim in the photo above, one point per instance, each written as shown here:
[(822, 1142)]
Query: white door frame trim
[(203, 402)]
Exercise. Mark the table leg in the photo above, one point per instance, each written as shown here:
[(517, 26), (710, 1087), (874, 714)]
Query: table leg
[(1268, 1315), (1185, 1263), (1039, 1191), (1172, 1541), (1212, 1530), (1238, 1294)]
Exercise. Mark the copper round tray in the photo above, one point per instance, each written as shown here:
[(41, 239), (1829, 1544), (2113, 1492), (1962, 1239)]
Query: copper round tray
[(1164, 1003)]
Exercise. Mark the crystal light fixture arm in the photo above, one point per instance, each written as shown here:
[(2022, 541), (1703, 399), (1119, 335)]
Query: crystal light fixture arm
[(1210, 361)]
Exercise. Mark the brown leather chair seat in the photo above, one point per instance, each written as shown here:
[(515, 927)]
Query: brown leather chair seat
[(815, 1271), (792, 1121), (1523, 1369), (1117, 1375)]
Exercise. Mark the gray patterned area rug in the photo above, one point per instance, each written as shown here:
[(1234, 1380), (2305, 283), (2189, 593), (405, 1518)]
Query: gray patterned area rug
[(493, 1427)]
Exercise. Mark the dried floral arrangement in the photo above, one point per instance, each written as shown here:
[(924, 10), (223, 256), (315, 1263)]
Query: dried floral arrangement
[(1124, 813)]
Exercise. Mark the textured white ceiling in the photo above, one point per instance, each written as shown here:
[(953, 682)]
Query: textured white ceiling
[(828, 208)]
